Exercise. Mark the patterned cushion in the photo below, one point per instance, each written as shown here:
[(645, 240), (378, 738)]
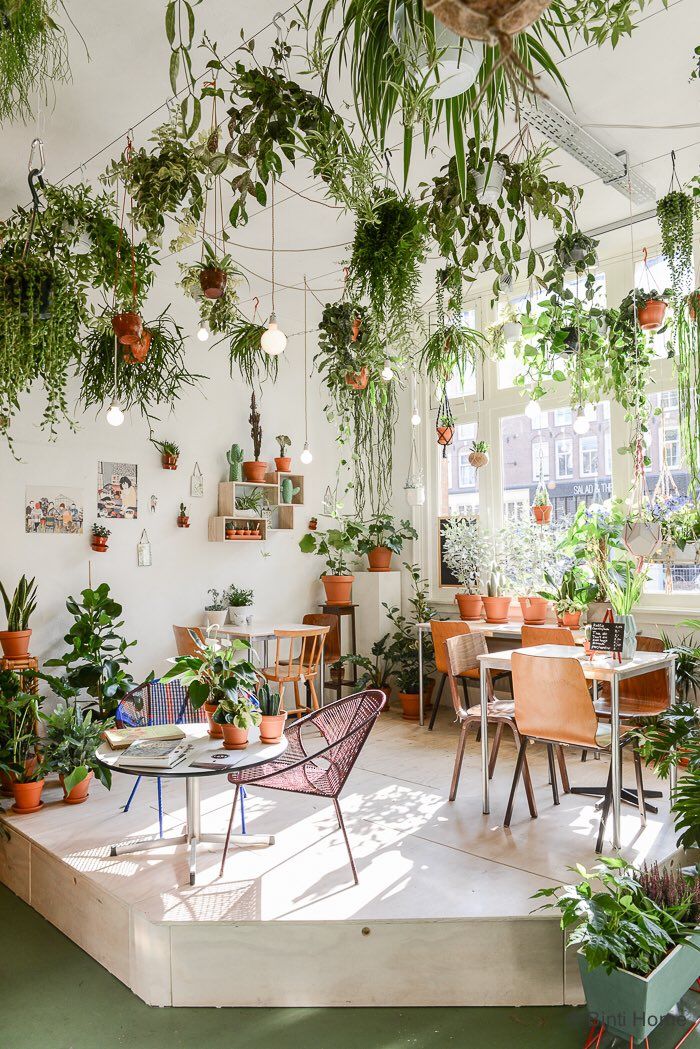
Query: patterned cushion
[(170, 704)]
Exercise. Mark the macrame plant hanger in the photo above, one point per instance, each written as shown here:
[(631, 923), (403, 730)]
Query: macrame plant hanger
[(414, 486), (128, 324)]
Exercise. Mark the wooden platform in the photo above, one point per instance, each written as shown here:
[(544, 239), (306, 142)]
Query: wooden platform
[(442, 914)]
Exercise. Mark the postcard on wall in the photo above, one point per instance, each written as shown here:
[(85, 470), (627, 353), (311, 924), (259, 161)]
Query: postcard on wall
[(117, 490), (53, 509)]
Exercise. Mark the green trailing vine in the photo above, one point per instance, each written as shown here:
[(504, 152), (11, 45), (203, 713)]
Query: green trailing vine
[(245, 353), (179, 30), (453, 348), (575, 253), (33, 55), (675, 213)]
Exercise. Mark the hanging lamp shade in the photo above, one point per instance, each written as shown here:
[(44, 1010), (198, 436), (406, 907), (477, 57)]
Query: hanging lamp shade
[(488, 20)]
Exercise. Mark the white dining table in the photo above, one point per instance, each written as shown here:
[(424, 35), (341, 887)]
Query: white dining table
[(600, 668), (265, 632)]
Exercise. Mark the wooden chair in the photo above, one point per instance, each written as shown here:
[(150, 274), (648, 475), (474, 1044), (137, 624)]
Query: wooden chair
[(546, 635), (294, 667), (553, 706), (441, 631), (462, 659), (188, 639), (331, 648)]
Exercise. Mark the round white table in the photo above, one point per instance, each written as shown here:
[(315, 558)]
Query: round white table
[(204, 748)]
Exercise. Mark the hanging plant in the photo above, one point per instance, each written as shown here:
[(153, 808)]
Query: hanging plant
[(155, 383), (33, 56), (444, 423), (479, 455), (453, 348), (675, 213), (686, 352), (573, 252)]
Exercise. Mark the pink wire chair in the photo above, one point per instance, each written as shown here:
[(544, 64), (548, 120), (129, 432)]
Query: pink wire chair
[(344, 727)]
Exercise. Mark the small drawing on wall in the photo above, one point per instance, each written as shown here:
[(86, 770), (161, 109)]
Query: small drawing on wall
[(55, 510), (117, 490)]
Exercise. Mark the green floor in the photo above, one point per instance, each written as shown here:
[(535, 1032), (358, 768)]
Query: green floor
[(56, 997)]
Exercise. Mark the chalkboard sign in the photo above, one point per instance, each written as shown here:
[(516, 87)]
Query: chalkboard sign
[(607, 637), (445, 576)]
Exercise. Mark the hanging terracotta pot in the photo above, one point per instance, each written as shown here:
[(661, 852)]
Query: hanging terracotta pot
[(356, 325), (534, 610), (379, 559), (338, 589), (486, 19), (213, 282), (542, 514), (470, 606), (128, 327), (445, 434), (137, 352), (358, 380), (651, 316), (255, 471)]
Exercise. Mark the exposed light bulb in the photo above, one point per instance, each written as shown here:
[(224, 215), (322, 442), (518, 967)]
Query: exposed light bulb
[(387, 373), (581, 424), (115, 416), (533, 410), (306, 456), (415, 418), (203, 332), (273, 340)]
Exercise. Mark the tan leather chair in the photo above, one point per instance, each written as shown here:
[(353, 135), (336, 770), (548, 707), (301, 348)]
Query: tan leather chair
[(441, 630), (640, 697), (293, 667), (546, 635), (188, 639), (463, 651), (553, 705)]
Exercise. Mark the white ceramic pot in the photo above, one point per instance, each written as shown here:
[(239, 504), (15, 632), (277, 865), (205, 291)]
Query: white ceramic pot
[(215, 617), (241, 616), (488, 189), (415, 496), (512, 331)]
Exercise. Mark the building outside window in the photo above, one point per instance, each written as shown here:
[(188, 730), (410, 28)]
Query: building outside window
[(588, 453), (564, 457), (540, 461)]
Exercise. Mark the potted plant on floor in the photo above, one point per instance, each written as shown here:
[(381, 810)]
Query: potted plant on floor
[(240, 605), (216, 611), (626, 581), (272, 714), (214, 674), (637, 941), (72, 739), (465, 551), (237, 714), (283, 462), (496, 602), (256, 469), (402, 651), (381, 538), (376, 669), (19, 610), (169, 454), (337, 545), (18, 717), (99, 538)]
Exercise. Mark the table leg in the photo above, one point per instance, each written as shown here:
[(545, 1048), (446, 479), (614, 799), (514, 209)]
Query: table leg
[(193, 823), (615, 758), (484, 695), (420, 676), (266, 651)]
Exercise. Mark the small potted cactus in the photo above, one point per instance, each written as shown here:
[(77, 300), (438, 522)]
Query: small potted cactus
[(183, 518), (169, 453), (288, 490), (273, 714), (542, 506), (234, 458), (283, 462), (99, 537), (479, 455), (496, 604)]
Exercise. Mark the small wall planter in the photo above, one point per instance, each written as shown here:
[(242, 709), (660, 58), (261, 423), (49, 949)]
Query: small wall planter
[(183, 521), (169, 462), (99, 544)]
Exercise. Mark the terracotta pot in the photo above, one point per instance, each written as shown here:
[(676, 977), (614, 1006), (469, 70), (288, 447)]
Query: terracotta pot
[(693, 304), (27, 796), (183, 522), (80, 791), (542, 514), (214, 728), (496, 609), (410, 701), (272, 727), (651, 316), (98, 544), (169, 462), (230, 533), (15, 643), (213, 282), (255, 471), (570, 619), (356, 325), (445, 434), (235, 738), (128, 327), (138, 351), (379, 559), (338, 589), (470, 606), (358, 380), (8, 778), (534, 610), (283, 464), (313, 524)]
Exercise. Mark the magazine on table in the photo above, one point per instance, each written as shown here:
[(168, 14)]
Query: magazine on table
[(219, 759), (156, 754)]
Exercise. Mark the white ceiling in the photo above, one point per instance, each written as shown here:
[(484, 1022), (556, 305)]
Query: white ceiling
[(643, 81)]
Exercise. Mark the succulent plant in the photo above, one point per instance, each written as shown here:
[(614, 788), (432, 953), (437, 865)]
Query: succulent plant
[(288, 490), (284, 442), (494, 586), (234, 457)]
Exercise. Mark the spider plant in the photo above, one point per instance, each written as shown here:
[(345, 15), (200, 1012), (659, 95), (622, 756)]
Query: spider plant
[(33, 55), (244, 350)]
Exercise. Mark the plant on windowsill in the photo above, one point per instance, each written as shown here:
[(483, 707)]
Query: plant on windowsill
[(272, 714), (72, 739), (594, 535), (381, 538), (465, 551), (216, 611), (570, 596), (240, 605), (19, 610), (526, 552), (338, 545), (214, 674), (496, 602), (99, 538), (637, 939)]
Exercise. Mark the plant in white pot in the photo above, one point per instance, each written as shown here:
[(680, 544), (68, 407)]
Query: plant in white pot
[(466, 553), (637, 939), (240, 605), (216, 610), (625, 587)]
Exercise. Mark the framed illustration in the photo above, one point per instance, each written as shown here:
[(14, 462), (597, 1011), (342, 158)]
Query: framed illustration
[(117, 490), (53, 510)]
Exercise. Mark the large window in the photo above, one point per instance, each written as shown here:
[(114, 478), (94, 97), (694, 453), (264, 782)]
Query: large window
[(588, 456), (458, 481), (467, 388)]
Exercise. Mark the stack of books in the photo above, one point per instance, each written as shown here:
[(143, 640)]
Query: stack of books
[(156, 754), (121, 738)]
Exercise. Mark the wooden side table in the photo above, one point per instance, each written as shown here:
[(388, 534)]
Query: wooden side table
[(19, 666), (343, 611)]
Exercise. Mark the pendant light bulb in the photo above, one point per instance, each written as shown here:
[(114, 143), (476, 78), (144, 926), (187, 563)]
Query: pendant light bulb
[(533, 410), (203, 331), (306, 456), (387, 373), (415, 418), (115, 416), (581, 423), (273, 339)]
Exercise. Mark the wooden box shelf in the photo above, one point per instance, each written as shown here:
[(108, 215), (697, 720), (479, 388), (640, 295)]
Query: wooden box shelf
[(297, 480), (217, 529), (229, 491), (282, 513)]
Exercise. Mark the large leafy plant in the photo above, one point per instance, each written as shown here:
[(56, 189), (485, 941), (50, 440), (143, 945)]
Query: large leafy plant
[(403, 643), (72, 739), (215, 674), (337, 545), (18, 716)]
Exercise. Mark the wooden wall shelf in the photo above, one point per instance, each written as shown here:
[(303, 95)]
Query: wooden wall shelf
[(282, 513)]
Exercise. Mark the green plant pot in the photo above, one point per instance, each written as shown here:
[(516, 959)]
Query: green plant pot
[(629, 643), (633, 1006)]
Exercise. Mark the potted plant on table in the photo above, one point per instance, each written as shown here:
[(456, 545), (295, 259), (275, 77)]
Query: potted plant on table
[(569, 596), (255, 469), (337, 545), (381, 538), (272, 714), (496, 602), (466, 551), (626, 582), (99, 538), (283, 462), (72, 739), (19, 610), (637, 940), (240, 605), (169, 454), (214, 674), (216, 610), (526, 553), (237, 714)]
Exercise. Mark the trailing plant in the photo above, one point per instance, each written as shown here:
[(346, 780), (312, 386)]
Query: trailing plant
[(453, 349), (33, 56), (675, 213), (573, 252), (72, 739), (337, 545), (466, 552), (21, 606), (179, 30), (685, 350), (243, 338)]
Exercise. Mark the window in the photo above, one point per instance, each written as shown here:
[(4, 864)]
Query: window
[(458, 481), (467, 473), (565, 457), (588, 456), (671, 447), (562, 417), (540, 461), (455, 387), (607, 452)]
